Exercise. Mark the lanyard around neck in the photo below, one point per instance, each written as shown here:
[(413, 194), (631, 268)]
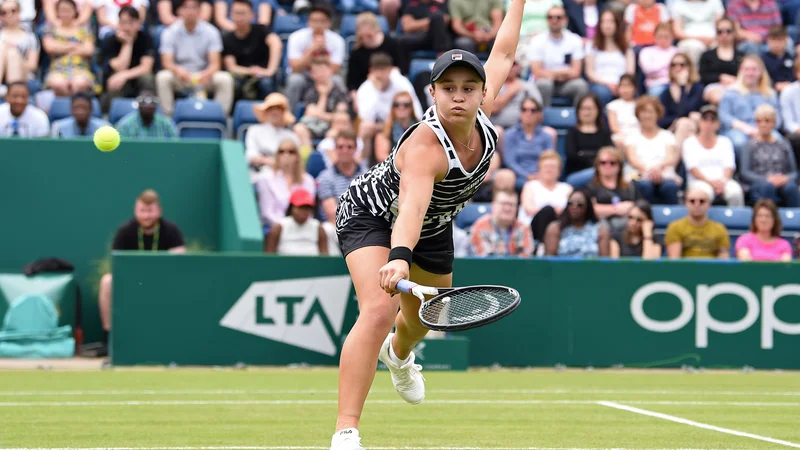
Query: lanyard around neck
[(154, 245)]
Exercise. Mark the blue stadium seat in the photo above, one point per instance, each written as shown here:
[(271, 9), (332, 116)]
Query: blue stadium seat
[(243, 117), (418, 66), (734, 218), (120, 107), (663, 215), (315, 163), (197, 118), (61, 108), (471, 212), (790, 219), (561, 101), (560, 118), (287, 24)]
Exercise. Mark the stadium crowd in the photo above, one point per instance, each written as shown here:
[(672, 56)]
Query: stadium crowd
[(612, 107)]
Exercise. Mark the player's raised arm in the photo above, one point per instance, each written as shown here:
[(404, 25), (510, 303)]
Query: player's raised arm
[(503, 53)]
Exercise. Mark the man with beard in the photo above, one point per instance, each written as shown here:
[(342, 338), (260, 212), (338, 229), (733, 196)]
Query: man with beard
[(146, 121), (18, 118), (81, 124), (146, 231)]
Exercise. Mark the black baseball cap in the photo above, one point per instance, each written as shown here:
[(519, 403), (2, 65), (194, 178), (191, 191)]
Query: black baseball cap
[(457, 57)]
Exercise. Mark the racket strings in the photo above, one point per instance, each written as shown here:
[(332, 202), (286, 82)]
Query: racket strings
[(468, 305)]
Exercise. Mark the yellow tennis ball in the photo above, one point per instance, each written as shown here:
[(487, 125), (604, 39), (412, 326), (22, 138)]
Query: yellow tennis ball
[(106, 138)]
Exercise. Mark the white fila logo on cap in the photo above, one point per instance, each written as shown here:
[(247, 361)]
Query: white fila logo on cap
[(457, 56)]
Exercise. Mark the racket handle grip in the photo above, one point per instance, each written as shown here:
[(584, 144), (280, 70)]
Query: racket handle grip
[(405, 286)]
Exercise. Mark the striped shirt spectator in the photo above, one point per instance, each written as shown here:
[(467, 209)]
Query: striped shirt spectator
[(756, 20), (334, 181), (499, 233)]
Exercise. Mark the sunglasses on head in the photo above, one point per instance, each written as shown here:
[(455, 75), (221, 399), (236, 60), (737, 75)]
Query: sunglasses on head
[(698, 201), (401, 104)]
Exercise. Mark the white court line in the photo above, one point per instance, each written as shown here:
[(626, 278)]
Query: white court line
[(386, 402), (692, 423), (386, 391), (326, 448)]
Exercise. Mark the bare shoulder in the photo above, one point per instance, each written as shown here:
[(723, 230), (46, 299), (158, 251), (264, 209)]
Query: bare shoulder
[(422, 147)]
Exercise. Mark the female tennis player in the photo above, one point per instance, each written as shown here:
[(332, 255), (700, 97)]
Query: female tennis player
[(408, 202)]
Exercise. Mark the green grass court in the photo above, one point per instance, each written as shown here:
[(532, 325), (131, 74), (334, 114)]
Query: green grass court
[(295, 408)]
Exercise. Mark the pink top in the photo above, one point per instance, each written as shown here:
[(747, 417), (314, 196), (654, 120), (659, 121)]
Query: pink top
[(274, 192), (763, 251), (654, 62)]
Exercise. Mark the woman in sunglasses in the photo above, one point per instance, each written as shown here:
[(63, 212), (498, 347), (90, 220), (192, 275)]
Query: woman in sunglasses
[(275, 185), (577, 233), (19, 48), (682, 99), (719, 66), (636, 239), (400, 119), (612, 196)]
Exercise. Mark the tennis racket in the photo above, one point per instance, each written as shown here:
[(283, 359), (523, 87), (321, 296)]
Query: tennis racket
[(462, 308)]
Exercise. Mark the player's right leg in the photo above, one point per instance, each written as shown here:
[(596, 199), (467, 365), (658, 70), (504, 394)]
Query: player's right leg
[(359, 359)]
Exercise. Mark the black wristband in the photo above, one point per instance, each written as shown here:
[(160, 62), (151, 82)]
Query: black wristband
[(403, 253)]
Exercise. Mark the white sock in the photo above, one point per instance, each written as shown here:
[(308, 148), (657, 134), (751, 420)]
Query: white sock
[(345, 433), (394, 358)]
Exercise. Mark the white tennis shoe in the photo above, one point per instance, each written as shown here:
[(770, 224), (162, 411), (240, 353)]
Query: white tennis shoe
[(347, 439), (407, 379)]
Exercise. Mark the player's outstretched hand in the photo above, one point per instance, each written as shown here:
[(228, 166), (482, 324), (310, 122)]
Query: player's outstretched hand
[(391, 273)]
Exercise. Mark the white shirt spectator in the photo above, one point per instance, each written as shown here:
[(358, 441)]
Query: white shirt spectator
[(299, 239), (300, 40), (32, 123), (263, 139), (556, 54), (652, 152), (710, 162), (626, 115), (375, 105), (699, 17), (557, 198), (191, 50), (609, 66)]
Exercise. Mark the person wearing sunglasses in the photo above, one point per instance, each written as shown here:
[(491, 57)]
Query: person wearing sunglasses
[(401, 117), (275, 185), (719, 66), (577, 233), (693, 22), (697, 236), (19, 47), (636, 240), (611, 194), (682, 99)]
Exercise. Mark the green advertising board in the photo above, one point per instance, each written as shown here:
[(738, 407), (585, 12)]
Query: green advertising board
[(270, 310)]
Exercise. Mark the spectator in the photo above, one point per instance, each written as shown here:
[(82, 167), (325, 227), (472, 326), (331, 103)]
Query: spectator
[(18, 118), (534, 21), (584, 140), (643, 18), (275, 186), (341, 122), (577, 232), (400, 119), (315, 40), (82, 123), (70, 47), (778, 62), (790, 112), (556, 59), (719, 66), (681, 99), (753, 19), (475, 24), (709, 157), (461, 243), (764, 242), (737, 107), (146, 231), (334, 181), (146, 121), (85, 11), (544, 191), (374, 97), (654, 60), (768, 164), (697, 236), (107, 15), (507, 108), (321, 100), (584, 16), (298, 233), (525, 143), (130, 55), (497, 179), (168, 11), (499, 233), (622, 112), (636, 239), (19, 47), (611, 195), (693, 23), (262, 139), (426, 26), (191, 56), (653, 156), (251, 53), (225, 20), (391, 10), (608, 57), (369, 41)]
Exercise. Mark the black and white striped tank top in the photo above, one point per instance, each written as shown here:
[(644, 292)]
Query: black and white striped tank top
[(377, 191)]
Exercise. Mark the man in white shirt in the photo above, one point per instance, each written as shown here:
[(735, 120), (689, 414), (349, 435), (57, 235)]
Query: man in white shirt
[(18, 118), (556, 60), (315, 40), (375, 96)]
